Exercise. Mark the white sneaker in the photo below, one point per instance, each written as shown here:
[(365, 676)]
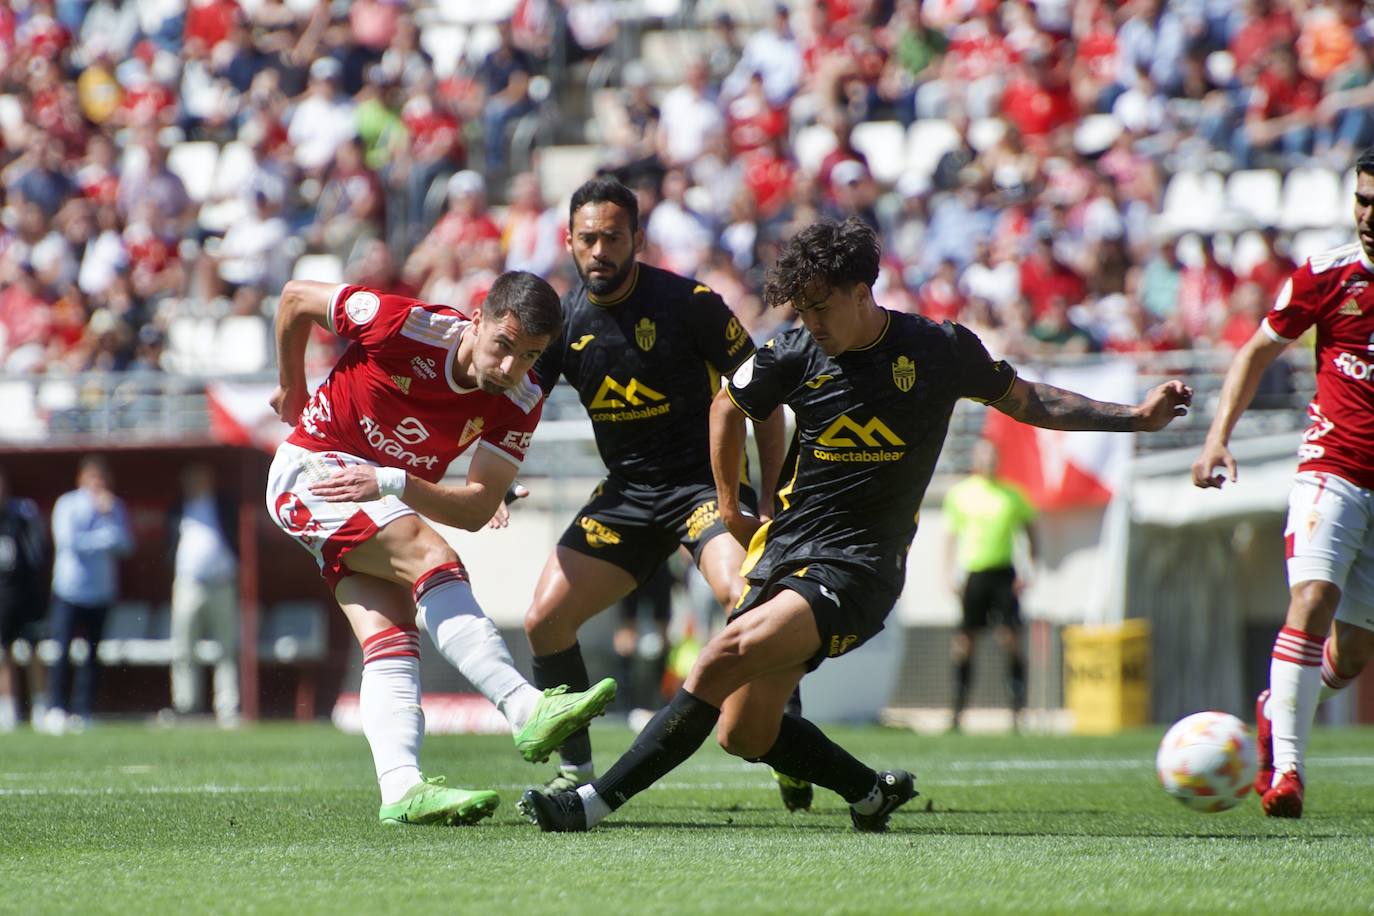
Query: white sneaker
[(54, 722)]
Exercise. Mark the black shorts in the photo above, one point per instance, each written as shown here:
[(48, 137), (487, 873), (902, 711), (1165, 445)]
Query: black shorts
[(990, 599), (850, 603), (637, 527)]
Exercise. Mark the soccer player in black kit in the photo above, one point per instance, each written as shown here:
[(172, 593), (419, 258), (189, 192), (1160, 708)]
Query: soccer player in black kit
[(645, 349), (872, 391)]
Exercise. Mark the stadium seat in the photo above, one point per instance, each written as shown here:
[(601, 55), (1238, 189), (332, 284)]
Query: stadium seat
[(926, 141), (811, 145), (562, 169), (19, 419), (482, 40), (1246, 252), (1194, 202), (326, 268), (1312, 200), (1096, 133), (466, 12), (985, 133), (666, 53), (241, 344), (1255, 194), (194, 163), (190, 343), (1315, 241), (444, 43), (293, 631), (882, 143)]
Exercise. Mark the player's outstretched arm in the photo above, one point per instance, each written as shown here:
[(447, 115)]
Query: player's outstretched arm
[(728, 433), (471, 505), (1237, 391), (1049, 407), (302, 303)]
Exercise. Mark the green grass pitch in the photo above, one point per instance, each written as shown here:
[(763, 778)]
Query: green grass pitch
[(282, 819)]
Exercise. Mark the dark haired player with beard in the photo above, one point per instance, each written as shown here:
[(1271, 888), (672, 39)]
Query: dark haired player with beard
[(873, 391), (645, 350)]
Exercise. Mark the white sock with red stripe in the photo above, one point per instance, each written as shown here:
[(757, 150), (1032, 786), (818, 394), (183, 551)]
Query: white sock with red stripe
[(1294, 682), (389, 703), (1333, 682), (446, 608)]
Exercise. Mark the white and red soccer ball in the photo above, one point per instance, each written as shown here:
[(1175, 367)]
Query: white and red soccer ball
[(1207, 761)]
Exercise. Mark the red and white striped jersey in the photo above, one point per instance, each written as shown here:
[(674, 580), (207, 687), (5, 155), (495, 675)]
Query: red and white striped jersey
[(1335, 292), (391, 397)]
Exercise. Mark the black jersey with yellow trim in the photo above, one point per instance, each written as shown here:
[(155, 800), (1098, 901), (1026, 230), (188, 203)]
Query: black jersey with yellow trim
[(870, 426), (645, 367)]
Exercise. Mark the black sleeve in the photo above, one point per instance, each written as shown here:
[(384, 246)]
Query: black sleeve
[(717, 332), (979, 377), (765, 380)]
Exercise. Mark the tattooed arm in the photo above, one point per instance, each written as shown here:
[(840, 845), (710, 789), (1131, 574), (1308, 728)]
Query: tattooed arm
[(1056, 408)]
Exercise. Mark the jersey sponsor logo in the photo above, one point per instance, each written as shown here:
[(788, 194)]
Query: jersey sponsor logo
[(632, 401), (839, 645), (1355, 285), (582, 342), (1350, 307), (517, 441), (471, 430), (819, 380), (646, 332), (409, 431), (1351, 366), (844, 440), (735, 336), (362, 306), (402, 382), (424, 367), (903, 373), (598, 535)]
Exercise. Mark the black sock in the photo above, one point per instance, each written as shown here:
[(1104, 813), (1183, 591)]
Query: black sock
[(802, 751), (567, 667), (671, 737), (963, 677), (1016, 682)]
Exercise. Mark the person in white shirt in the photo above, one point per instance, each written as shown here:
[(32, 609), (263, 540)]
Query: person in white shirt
[(205, 596)]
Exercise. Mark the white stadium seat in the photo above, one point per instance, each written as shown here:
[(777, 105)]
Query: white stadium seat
[(1194, 202), (444, 43), (562, 169), (882, 143), (1246, 252), (326, 268), (1312, 200), (241, 344), (812, 144), (1255, 194), (194, 163), (926, 141), (985, 133)]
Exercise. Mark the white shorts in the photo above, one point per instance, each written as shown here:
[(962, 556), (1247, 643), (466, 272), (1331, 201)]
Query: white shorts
[(1330, 538), (328, 530)]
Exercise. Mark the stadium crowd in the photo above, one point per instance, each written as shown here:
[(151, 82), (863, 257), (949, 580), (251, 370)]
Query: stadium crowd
[(332, 130)]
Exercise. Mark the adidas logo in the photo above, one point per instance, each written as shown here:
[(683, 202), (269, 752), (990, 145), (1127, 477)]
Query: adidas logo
[(1350, 307)]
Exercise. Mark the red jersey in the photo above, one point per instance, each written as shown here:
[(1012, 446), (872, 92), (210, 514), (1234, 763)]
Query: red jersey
[(391, 397), (1333, 292)]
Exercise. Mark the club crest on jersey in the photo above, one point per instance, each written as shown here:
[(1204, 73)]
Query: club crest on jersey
[(903, 373), (402, 382), (471, 430), (1350, 307), (645, 333), (362, 306)]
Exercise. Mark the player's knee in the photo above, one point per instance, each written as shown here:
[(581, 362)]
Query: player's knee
[(1312, 605), (740, 740), (537, 619)]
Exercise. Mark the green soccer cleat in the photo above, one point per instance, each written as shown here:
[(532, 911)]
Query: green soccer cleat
[(796, 793), (563, 781), (432, 802), (558, 715)]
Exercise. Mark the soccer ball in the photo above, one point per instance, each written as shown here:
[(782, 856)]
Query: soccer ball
[(1207, 761)]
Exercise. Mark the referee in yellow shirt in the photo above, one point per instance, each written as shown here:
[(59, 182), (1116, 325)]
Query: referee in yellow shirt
[(984, 516)]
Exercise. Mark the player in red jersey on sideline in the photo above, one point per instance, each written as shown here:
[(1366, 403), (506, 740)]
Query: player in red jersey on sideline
[(419, 385), (1328, 635)]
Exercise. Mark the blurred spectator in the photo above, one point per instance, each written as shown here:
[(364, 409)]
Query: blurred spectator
[(90, 531), (915, 53), (752, 120), (592, 28), (1055, 332), (632, 117), (1204, 294), (1248, 307), (1266, 24), (531, 234), (466, 224), (844, 150), (434, 151), (723, 51), (40, 177), (376, 268), (254, 253), (940, 298), (1160, 279), (322, 121), (1273, 268), (1281, 111), (352, 205), (505, 75), (23, 590), (681, 235), (1047, 283), (689, 118), (773, 53), (155, 190), (1153, 39), (202, 532)]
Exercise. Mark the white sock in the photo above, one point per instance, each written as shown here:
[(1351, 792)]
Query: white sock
[(1333, 682), (393, 723), (1294, 682), (871, 802), (9, 716), (593, 805), (467, 638)]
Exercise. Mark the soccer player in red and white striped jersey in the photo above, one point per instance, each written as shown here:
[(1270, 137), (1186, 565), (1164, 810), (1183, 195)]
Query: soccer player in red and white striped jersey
[(1328, 635), (419, 384)]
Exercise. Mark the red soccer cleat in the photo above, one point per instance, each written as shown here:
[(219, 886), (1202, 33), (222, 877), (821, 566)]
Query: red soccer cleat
[(1285, 799), (1264, 745)]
